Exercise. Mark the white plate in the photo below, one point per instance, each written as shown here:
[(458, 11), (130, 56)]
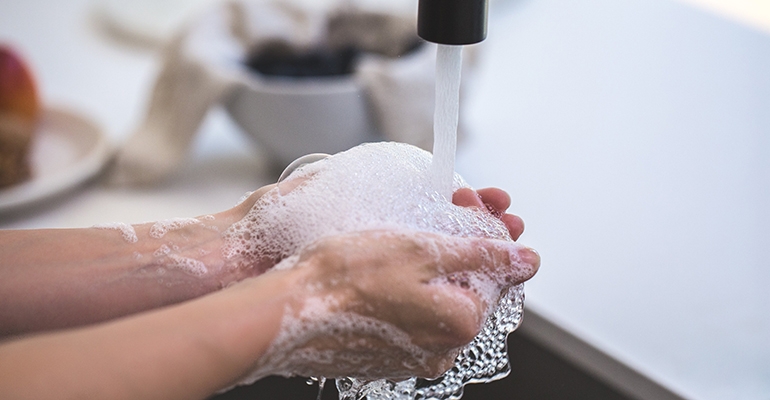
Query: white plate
[(67, 150)]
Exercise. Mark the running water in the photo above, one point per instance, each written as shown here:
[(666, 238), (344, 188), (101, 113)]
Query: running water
[(445, 117)]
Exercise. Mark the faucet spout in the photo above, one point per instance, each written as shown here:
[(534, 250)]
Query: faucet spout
[(452, 22)]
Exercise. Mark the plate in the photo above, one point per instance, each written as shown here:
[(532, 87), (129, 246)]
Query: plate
[(67, 150)]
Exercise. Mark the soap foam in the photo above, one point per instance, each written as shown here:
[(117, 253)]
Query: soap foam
[(161, 228), (162, 251), (186, 264), (374, 187), (128, 232)]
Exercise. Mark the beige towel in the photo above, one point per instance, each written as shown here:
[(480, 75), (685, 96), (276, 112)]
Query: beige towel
[(203, 63)]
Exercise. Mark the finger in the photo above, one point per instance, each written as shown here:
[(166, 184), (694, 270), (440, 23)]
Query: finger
[(497, 199), (261, 191), (459, 313), (505, 262), (466, 197), (483, 269), (515, 225)]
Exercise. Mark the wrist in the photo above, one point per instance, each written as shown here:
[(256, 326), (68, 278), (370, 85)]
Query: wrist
[(191, 251)]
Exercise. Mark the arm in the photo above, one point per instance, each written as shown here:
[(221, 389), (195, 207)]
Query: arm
[(52, 279), (192, 349), (184, 351), (60, 278)]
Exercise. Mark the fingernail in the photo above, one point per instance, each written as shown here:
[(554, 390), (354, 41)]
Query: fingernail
[(530, 256)]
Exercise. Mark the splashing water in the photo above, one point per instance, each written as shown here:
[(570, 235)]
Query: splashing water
[(486, 358)]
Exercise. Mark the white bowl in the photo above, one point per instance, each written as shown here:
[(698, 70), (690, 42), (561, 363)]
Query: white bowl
[(291, 117)]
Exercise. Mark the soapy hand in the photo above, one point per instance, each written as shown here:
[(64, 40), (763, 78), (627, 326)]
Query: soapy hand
[(396, 303), (393, 304), (412, 299), (496, 201)]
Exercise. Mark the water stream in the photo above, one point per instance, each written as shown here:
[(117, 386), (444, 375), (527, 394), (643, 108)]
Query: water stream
[(445, 117)]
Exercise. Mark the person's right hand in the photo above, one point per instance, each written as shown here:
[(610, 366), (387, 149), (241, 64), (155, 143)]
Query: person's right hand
[(391, 303)]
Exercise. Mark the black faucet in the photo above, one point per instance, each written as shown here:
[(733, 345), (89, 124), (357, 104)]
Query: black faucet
[(454, 22)]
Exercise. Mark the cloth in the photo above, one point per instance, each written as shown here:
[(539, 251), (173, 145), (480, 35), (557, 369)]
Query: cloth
[(204, 62)]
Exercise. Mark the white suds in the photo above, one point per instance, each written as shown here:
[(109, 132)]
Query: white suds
[(380, 186), (162, 251), (128, 232), (372, 186), (188, 265), (160, 228)]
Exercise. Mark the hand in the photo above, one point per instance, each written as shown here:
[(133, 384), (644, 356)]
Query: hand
[(412, 286)]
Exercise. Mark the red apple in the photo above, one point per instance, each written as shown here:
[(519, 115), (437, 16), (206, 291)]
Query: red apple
[(19, 109), (18, 93)]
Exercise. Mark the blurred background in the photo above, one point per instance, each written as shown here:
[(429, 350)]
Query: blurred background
[(633, 136)]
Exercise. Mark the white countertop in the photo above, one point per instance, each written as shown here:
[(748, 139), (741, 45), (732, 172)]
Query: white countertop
[(633, 137)]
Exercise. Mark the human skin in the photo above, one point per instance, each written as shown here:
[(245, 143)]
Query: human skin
[(193, 348), (60, 278), (399, 278)]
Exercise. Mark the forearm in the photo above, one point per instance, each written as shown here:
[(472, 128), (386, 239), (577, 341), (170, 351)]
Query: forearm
[(184, 351), (61, 278)]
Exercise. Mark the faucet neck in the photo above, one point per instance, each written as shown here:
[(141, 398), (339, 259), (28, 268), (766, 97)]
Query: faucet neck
[(453, 22)]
